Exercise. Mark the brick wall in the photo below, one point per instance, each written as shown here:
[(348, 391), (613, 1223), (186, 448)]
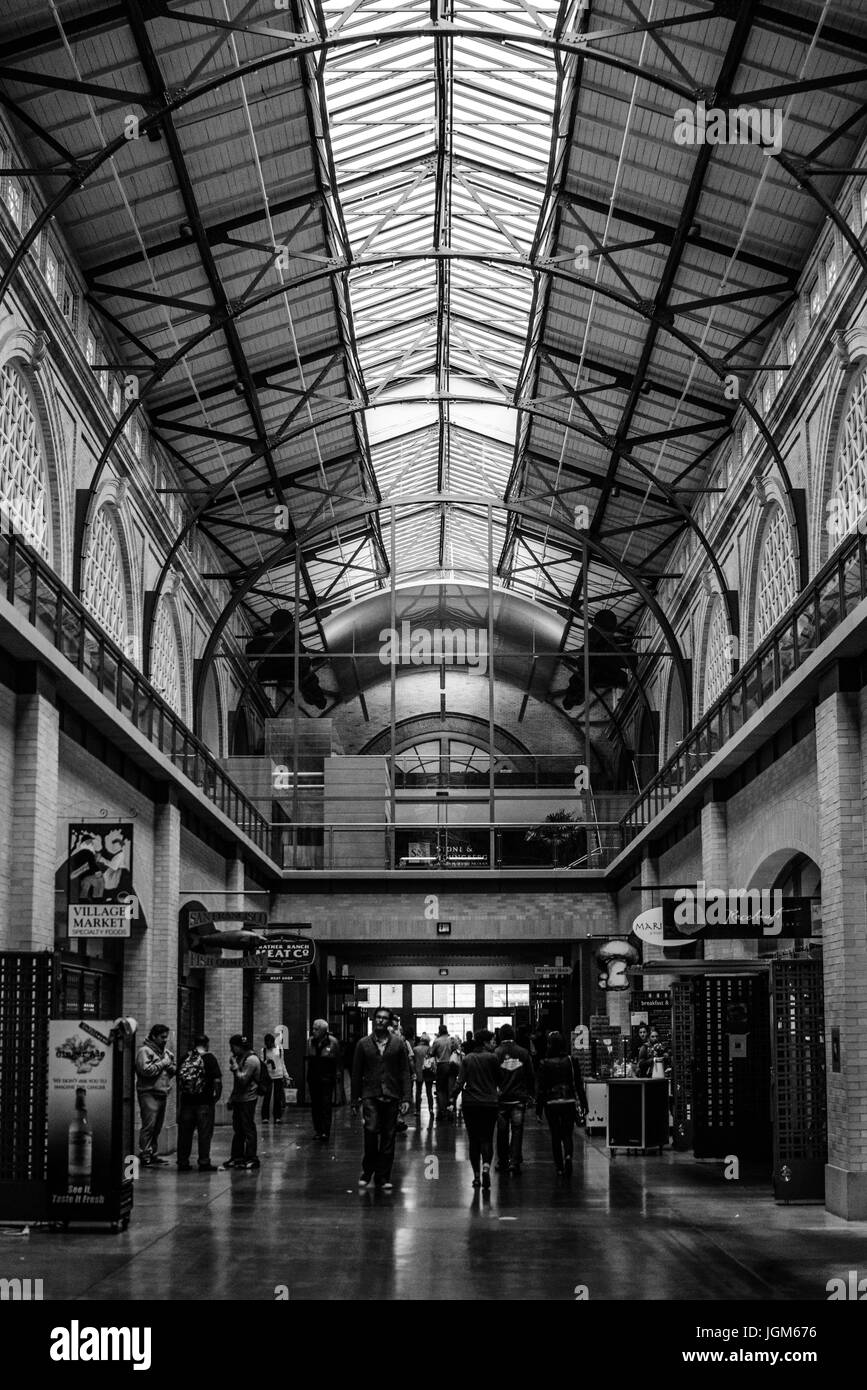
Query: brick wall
[(489, 917), (842, 762), (31, 897), (85, 789), (7, 811), (776, 811)]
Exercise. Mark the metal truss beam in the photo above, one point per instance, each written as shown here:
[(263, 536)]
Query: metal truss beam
[(216, 233), (286, 550), (729, 66), (294, 46)]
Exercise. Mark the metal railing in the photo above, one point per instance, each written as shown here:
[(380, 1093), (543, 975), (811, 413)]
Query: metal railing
[(411, 846), (34, 590), (824, 604)]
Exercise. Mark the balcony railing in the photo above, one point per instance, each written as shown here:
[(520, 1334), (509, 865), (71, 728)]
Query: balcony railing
[(52, 609), (33, 589), (830, 597), (414, 846)]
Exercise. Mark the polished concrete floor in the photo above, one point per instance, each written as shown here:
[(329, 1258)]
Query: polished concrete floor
[(629, 1228)]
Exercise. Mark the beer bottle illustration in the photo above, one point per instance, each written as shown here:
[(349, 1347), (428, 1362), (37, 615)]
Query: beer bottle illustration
[(80, 1143)]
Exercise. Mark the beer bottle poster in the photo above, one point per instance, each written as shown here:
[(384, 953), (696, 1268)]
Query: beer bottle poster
[(101, 898), (80, 1080)]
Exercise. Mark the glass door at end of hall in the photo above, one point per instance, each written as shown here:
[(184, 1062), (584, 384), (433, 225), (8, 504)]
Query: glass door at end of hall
[(457, 1025)]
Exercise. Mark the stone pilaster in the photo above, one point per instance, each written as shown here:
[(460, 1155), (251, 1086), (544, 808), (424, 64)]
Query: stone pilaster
[(841, 759), (35, 809), (150, 985)]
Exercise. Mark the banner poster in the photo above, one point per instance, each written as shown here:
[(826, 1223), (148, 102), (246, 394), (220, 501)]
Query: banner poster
[(80, 1084), (99, 880)]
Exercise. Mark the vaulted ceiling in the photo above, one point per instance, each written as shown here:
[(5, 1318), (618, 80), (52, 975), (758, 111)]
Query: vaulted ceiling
[(391, 264)]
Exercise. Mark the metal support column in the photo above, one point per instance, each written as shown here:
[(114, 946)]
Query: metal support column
[(492, 798)]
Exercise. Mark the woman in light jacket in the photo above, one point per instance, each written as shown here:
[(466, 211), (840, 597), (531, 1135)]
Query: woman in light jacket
[(271, 1057)]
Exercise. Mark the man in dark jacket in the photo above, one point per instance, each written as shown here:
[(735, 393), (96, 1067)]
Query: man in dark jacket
[(323, 1056), (517, 1086), (381, 1086), (200, 1085)]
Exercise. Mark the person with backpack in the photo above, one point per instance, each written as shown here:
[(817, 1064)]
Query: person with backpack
[(276, 1075), (249, 1084), (517, 1087), (560, 1095), (200, 1085)]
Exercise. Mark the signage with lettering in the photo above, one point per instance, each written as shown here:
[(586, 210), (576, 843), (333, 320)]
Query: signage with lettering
[(198, 960), (286, 953), (717, 915), (198, 917), (101, 901)]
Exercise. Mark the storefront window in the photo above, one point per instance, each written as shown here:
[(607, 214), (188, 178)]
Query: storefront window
[(506, 996)]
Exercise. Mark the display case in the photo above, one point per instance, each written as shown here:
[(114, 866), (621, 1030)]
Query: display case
[(637, 1114)]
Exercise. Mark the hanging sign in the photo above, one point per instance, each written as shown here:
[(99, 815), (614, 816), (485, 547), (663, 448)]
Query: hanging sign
[(749, 914), (99, 880), (287, 953)]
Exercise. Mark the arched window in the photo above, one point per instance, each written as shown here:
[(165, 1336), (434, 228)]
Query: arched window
[(103, 588), (674, 730), (777, 582), (23, 490), (166, 659), (717, 657), (447, 761), (848, 499)]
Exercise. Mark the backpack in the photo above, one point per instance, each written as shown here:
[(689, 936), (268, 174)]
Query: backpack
[(262, 1080), (192, 1077)]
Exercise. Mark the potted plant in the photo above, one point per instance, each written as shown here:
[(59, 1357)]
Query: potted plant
[(561, 831)]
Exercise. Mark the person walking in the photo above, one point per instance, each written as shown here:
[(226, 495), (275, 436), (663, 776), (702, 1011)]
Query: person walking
[(517, 1088), (200, 1085), (561, 1097), (154, 1069), (478, 1080), (425, 1071), (246, 1068), (395, 1028), (442, 1048), (381, 1087), (455, 1075), (276, 1075), (323, 1059)]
